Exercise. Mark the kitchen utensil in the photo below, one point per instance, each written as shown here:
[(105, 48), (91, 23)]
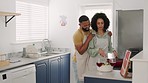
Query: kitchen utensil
[(46, 44)]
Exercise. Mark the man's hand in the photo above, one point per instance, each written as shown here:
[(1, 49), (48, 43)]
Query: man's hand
[(81, 48), (90, 36), (110, 33)]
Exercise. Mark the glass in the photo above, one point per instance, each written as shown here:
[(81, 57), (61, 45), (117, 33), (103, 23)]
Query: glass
[(2, 57), (101, 61), (112, 61)]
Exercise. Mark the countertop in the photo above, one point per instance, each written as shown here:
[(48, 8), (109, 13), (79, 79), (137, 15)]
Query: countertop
[(24, 61), (114, 75), (139, 57)]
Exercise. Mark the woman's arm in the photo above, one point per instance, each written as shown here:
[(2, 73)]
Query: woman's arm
[(92, 51), (110, 48)]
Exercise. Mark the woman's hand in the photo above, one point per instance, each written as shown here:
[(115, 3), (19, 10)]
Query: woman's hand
[(102, 53), (115, 53)]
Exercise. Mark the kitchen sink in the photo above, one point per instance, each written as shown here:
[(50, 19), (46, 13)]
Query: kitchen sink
[(52, 53)]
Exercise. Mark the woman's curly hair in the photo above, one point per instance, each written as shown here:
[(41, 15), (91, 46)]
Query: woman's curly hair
[(96, 17)]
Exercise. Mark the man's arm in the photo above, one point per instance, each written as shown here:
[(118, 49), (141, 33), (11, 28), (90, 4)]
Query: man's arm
[(81, 48)]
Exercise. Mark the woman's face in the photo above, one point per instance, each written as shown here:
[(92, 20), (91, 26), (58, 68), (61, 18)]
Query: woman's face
[(100, 24)]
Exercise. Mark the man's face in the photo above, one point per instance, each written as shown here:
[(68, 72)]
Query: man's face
[(85, 25)]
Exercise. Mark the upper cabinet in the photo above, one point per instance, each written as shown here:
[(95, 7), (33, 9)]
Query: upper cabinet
[(6, 14)]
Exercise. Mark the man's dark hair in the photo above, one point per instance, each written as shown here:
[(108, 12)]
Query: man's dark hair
[(96, 17), (83, 18)]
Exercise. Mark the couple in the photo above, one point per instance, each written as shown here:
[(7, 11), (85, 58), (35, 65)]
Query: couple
[(91, 45)]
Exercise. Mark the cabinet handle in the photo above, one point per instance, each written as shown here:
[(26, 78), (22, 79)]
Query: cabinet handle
[(58, 59)]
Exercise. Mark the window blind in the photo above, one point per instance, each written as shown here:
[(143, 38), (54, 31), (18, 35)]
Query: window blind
[(32, 25)]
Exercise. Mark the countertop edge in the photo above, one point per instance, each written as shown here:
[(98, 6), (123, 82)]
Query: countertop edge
[(25, 61), (139, 57), (116, 76)]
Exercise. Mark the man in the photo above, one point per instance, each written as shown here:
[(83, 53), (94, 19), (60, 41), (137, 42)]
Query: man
[(81, 40)]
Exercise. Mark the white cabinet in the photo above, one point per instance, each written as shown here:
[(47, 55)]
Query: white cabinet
[(140, 68)]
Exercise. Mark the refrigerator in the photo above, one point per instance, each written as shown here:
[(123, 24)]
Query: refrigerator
[(130, 31)]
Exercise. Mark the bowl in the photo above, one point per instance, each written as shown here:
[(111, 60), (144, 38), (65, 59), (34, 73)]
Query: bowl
[(104, 67)]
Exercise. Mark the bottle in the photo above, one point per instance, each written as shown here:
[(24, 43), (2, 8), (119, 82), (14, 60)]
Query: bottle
[(24, 52)]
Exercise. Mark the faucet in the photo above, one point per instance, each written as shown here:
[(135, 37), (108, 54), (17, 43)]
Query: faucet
[(46, 45)]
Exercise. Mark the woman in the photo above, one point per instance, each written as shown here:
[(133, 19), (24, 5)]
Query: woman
[(101, 44)]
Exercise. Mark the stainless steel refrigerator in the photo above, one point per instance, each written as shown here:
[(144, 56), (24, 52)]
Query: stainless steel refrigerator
[(130, 31)]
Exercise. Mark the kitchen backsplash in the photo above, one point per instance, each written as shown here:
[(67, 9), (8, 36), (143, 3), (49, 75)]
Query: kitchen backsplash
[(59, 50), (52, 50)]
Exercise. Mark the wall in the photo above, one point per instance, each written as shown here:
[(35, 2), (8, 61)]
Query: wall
[(145, 45), (84, 2), (7, 34), (61, 36)]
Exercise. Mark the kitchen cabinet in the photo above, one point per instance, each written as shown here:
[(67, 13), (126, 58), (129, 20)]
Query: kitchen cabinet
[(59, 69), (42, 71), (53, 70), (65, 67), (101, 80)]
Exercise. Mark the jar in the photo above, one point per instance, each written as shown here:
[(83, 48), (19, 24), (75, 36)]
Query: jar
[(2, 57), (3, 60)]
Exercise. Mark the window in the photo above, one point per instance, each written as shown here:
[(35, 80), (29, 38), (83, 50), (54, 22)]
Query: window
[(32, 24), (90, 10)]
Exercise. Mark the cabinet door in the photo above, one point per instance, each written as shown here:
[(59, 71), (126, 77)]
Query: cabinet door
[(99, 80), (42, 71), (54, 70), (65, 68)]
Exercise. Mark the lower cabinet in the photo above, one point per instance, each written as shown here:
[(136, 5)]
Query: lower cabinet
[(41, 71), (65, 68), (53, 70), (101, 80)]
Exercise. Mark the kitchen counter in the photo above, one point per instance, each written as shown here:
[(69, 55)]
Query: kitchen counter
[(114, 75), (24, 61), (140, 68), (138, 57)]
